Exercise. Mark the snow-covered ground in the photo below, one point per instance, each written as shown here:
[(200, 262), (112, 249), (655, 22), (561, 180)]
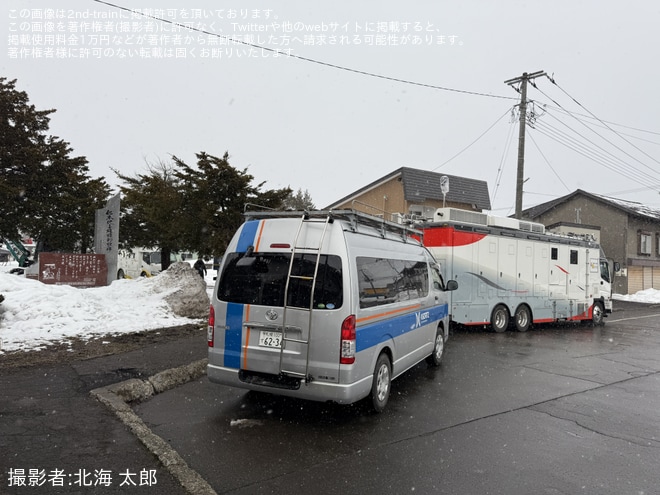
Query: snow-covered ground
[(34, 314), (648, 296)]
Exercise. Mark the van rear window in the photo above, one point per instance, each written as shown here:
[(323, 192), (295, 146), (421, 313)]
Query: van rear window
[(386, 280), (260, 278)]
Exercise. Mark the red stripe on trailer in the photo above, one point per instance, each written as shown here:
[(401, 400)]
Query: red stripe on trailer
[(449, 236), (476, 323)]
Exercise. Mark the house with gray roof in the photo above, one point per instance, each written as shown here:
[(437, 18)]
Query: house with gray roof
[(628, 232), (409, 190)]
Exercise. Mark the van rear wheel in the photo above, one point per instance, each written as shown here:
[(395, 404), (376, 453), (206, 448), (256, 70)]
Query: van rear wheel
[(435, 359), (382, 382)]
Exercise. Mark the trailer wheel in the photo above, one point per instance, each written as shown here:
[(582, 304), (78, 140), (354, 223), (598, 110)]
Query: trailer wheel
[(597, 318), (380, 388), (438, 349), (499, 320), (523, 318), (120, 274)]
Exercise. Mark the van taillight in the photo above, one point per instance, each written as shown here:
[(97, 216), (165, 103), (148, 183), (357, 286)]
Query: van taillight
[(209, 332), (347, 350)]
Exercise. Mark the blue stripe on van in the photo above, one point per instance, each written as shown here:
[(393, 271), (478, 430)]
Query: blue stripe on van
[(248, 233), (233, 335), (376, 333)]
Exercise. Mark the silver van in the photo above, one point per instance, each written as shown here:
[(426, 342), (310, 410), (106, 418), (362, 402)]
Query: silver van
[(325, 306)]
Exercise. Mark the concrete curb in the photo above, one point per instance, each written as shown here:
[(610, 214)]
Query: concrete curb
[(116, 398)]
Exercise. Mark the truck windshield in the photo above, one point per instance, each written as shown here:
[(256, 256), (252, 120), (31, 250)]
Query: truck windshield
[(261, 279)]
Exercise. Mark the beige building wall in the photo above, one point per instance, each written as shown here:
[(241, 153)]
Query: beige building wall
[(388, 198)]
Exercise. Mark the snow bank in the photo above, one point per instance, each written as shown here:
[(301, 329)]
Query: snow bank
[(34, 314)]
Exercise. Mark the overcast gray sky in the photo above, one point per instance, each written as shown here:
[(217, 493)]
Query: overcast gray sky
[(130, 89)]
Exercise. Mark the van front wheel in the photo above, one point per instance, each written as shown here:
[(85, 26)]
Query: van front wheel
[(382, 382), (435, 359)]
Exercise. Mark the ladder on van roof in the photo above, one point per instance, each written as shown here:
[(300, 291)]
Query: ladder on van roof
[(305, 219)]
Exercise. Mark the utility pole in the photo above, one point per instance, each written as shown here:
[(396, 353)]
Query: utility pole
[(521, 133)]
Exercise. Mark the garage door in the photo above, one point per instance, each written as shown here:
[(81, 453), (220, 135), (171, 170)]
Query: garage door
[(635, 279), (648, 277)]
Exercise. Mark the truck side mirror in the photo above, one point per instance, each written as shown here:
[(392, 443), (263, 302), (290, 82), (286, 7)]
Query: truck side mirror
[(452, 285)]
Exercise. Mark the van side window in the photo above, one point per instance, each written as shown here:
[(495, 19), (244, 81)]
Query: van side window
[(438, 282), (261, 280), (386, 280)]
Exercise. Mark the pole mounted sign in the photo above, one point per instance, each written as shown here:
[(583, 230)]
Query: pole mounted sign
[(444, 187)]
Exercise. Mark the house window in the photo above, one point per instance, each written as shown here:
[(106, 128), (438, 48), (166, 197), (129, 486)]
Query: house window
[(645, 242)]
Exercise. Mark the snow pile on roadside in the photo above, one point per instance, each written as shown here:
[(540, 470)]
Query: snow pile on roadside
[(189, 298), (648, 296), (34, 314)]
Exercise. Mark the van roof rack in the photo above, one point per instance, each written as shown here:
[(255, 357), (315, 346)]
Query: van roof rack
[(356, 219)]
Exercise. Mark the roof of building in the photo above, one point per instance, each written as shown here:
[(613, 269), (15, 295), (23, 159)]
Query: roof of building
[(630, 207), (421, 185)]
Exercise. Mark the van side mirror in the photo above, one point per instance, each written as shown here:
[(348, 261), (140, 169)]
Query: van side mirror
[(452, 285), (617, 266)]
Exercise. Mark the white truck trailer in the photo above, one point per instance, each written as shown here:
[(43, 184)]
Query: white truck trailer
[(512, 271)]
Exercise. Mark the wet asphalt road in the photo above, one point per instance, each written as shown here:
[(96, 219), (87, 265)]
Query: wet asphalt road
[(556, 410), (51, 426)]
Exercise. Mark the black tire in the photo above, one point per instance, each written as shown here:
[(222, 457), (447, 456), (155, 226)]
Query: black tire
[(523, 318), (499, 320), (598, 315), (120, 274), (382, 383), (435, 359)]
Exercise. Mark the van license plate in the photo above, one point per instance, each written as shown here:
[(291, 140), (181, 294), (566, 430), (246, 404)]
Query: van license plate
[(270, 339)]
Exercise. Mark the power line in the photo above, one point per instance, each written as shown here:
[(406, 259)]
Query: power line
[(473, 142), (602, 122), (305, 59), (548, 163), (618, 165), (575, 144), (627, 191), (595, 155), (573, 114), (579, 148), (608, 127), (505, 152)]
